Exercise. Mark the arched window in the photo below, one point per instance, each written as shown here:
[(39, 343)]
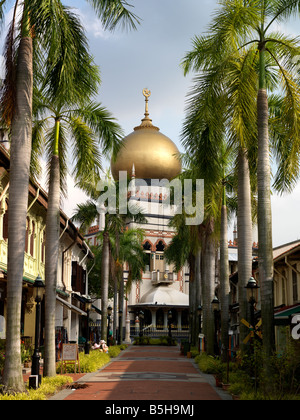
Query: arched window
[(147, 246), (27, 235), (43, 246), (160, 247), (32, 239), (5, 222)]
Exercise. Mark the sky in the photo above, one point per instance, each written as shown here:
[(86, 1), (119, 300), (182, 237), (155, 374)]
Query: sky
[(150, 58)]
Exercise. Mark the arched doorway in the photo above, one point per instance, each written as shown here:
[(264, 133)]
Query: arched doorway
[(160, 319), (147, 317)]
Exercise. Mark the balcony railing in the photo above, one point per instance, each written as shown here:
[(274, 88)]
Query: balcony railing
[(165, 277)]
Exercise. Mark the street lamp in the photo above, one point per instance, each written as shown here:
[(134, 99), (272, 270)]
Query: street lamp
[(215, 304), (170, 317), (141, 317), (252, 288), (88, 307), (199, 312), (120, 327), (109, 312), (38, 293)]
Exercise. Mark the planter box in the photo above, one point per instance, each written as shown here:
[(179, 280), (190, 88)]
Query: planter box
[(225, 387)]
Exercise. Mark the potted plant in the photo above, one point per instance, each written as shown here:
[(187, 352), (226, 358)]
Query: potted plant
[(218, 374), (25, 356)]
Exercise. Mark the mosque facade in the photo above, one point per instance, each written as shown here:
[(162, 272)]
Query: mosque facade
[(147, 157)]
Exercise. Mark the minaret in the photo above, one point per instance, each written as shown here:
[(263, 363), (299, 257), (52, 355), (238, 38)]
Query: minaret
[(132, 183), (235, 234)]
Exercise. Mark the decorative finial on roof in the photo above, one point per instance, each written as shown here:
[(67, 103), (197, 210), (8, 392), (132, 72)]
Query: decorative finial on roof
[(146, 122), (147, 94)]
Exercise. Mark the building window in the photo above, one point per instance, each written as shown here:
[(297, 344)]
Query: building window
[(283, 287), (27, 235), (43, 246), (32, 239), (295, 285), (5, 226), (160, 247)]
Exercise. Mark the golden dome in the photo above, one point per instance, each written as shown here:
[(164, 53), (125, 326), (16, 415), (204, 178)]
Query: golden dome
[(153, 154)]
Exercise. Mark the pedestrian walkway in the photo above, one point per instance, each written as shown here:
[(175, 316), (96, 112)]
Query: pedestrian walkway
[(145, 373)]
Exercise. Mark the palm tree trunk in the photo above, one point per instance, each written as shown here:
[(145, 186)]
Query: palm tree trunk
[(224, 282), (121, 306), (208, 287), (104, 285), (244, 220), (265, 246), (51, 262), (192, 298), (20, 154)]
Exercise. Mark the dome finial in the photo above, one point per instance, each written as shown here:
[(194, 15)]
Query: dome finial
[(146, 122), (147, 94)]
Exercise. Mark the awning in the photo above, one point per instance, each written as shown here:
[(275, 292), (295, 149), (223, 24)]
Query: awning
[(70, 306), (83, 300), (287, 311)]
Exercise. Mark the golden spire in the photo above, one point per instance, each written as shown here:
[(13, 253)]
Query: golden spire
[(146, 122)]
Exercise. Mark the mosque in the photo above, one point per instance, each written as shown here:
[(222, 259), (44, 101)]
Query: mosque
[(148, 156)]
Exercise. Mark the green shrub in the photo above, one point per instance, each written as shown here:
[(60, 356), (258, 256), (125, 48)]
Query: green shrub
[(114, 351), (49, 386), (161, 341), (88, 362), (208, 364), (141, 341)]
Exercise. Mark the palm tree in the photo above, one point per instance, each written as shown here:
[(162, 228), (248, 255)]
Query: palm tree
[(245, 26), (185, 248), (52, 27), (113, 245), (88, 125), (127, 249)]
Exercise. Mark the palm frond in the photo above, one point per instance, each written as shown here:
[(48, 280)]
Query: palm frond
[(85, 214), (64, 43), (86, 154), (100, 120), (113, 13)]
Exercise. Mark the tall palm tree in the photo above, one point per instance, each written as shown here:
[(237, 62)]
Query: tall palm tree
[(184, 248), (89, 126), (46, 22), (246, 25), (113, 247)]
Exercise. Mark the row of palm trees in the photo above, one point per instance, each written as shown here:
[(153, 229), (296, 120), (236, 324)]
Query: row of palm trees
[(117, 245), (49, 76), (242, 109)]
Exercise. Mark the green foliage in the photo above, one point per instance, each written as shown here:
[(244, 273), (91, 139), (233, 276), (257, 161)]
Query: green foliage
[(2, 354), (88, 362), (114, 351), (161, 341), (49, 386), (26, 353), (248, 378), (209, 364)]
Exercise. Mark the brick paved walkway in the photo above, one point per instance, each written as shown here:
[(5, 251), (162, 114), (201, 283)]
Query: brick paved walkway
[(146, 373)]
